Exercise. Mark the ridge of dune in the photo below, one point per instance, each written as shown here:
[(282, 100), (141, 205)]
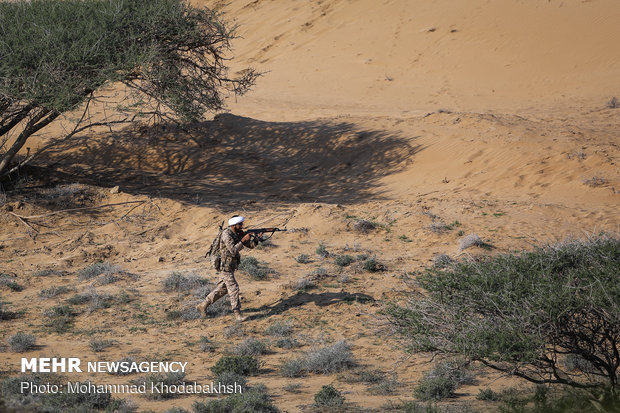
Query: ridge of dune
[(404, 57), (431, 119)]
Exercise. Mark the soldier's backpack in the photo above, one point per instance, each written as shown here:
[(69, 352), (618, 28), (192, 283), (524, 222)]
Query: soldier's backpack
[(214, 250)]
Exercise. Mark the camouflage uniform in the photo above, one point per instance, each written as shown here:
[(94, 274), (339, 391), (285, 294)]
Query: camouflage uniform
[(230, 245)]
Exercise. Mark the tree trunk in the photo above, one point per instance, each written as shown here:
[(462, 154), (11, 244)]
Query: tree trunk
[(39, 120)]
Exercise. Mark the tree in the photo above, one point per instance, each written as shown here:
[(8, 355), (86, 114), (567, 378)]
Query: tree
[(56, 54), (549, 316)]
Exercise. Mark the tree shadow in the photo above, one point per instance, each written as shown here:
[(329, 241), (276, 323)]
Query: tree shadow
[(234, 159), (302, 298)]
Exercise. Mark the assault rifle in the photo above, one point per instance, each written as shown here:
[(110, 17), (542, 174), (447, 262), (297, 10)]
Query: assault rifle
[(257, 231)]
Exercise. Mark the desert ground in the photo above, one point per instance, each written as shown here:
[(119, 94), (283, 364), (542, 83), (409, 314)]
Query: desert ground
[(432, 120)]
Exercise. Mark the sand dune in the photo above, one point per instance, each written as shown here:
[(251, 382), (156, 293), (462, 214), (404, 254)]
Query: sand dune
[(433, 119)]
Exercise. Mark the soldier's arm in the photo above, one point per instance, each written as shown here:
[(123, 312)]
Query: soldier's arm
[(230, 244), (252, 242)]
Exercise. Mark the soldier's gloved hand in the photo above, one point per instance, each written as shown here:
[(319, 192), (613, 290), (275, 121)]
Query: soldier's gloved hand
[(246, 237)]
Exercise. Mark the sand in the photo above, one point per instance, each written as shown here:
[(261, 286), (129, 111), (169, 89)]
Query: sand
[(434, 120)]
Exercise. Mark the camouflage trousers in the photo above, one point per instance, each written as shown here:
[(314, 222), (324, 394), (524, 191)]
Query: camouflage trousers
[(226, 285)]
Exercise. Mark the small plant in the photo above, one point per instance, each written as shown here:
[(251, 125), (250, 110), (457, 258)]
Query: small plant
[(441, 382), (595, 181), (250, 347), (438, 227), (328, 396), (293, 368), (372, 265), (49, 273), (343, 260), (255, 399), (470, 241), (292, 388), (326, 360), (206, 346), (363, 226), (344, 278), (97, 269), (303, 259), (613, 103), (243, 365), (303, 284), (279, 329), (487, 395), (330, 359), (404, 238), (321, 250), (60, 318), (100, 345), (254, 268), (287, 343), (229, 378), (54, 291), (435, 388), (178, 282), (162, 381), (442, 261), (94, 299), (21, 342), (5, 314), (384, 386), (10, 282), (234, 330)]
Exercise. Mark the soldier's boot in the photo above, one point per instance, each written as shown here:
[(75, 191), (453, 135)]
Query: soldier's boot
[(202, 307), (239, 317)]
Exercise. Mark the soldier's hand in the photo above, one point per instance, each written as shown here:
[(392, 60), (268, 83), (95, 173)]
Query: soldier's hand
[(246, 237)]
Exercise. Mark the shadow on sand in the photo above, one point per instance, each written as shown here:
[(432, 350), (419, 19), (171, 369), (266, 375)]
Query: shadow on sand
[(235, 159), (302, 298)]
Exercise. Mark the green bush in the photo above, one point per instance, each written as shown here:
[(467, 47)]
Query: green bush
[(98, 268), (325, 360), (168, 379), (287, 342), (507, 310), (330, 359), (54, 291), (22, 342), (250, 347), (303, 258), (242, 365), (254, 400), (100, 345), (372, 265), (179, 282), (293, 368), (487, 395), (279, 329), (440, 382), (229, 378), (328, 396), (435, 388), (10, 282), (60, 318), (566, 400), (62, 402), (254, 268), (322, 250), (343, 260)]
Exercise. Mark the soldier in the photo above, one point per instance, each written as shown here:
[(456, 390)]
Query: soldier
[(232, 241)]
